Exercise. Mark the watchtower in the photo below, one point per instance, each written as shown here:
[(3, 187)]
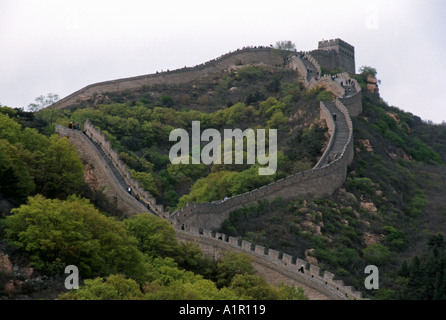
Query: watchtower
[(336, 53)]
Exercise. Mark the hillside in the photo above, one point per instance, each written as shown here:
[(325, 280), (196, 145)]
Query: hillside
[(138, 124), (390, 205), (389, 211), (51, 218)]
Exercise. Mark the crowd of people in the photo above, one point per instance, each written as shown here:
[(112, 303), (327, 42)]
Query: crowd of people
[(74, 125), (138, 198)]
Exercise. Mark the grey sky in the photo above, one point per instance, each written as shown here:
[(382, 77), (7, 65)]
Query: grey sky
[(61, 46)]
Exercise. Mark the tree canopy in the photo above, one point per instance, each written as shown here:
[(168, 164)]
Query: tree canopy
[(284, 49), (32, 163), (42, 102), (56, 233)]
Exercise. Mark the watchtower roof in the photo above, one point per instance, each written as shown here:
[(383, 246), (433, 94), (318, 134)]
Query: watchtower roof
[(325, 44)]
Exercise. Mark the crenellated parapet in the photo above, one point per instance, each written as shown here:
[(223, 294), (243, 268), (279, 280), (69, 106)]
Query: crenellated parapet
[(102, 170), (247, 55), (335, 53), (300, 270)]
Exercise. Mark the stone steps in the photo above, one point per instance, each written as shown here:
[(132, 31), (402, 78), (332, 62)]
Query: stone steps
[(107, 160), (121, 181), (341, 134)]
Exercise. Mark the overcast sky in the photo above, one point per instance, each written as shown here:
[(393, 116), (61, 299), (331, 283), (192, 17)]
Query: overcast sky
[(61, 46)]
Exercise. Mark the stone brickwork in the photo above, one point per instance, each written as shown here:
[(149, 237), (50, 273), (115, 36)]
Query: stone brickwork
[(113, 191), (336, 53), (96, 135), (302, 272), (184, 75), (328, 118)]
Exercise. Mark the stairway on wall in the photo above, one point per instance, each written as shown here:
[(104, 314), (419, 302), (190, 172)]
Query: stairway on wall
[(310, 67), (110, 164), (119, 178), (341, 132)]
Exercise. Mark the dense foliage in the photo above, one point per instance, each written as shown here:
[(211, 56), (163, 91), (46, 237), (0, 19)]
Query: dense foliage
[(424, 278), (376, 217), (31, 163), (130, 259), (51, 226)]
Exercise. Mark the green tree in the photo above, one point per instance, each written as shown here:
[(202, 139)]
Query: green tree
[(33, 163), (230, 265), (194, 289), (248, 180), (284, 49), (187, 172), (368, 71), (255, 287), (62, 172), (278, 121), (57, 233), (16, 180), (146, 180), (270, 106), (43, 101), (114, 287), (190, 257), (214, 187), (9, 129), (156, 237), (377, 254)]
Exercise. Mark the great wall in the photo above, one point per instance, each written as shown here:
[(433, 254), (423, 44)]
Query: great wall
[(198, 221)]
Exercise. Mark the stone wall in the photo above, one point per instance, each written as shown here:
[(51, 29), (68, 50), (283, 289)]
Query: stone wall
[(327, 83), (96, 135), (318, 182), (331, 125), (113, 191), (315, 183), (184, 75), (287, 266), (336, 53), (294, 268), (353, 103), (327, 59)]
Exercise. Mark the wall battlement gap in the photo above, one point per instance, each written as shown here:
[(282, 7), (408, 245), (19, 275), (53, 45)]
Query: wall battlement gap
[(298, 269), (335, 42), (335, 53)]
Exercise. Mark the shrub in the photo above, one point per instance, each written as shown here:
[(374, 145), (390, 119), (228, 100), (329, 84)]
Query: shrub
[(57, 233), (156, 237), (377, 254), (416, 205), (250, 73), (361, 185)]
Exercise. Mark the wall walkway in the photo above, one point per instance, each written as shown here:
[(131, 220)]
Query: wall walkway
[(102, 169), (249, 55)]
